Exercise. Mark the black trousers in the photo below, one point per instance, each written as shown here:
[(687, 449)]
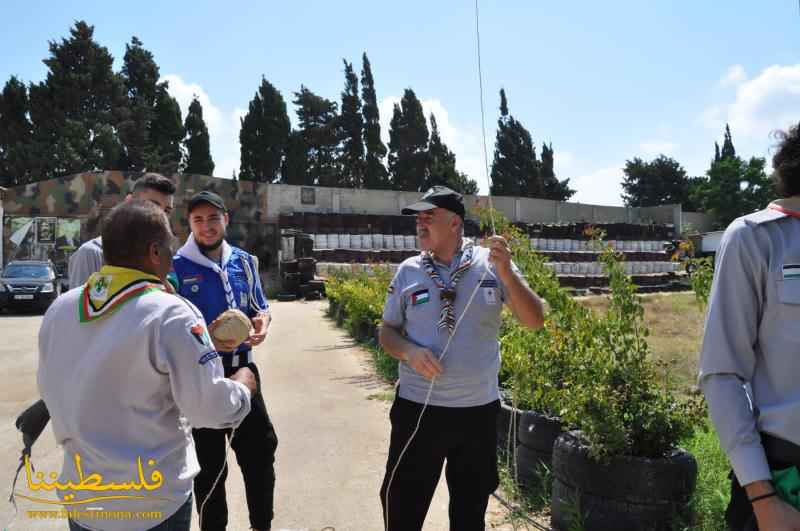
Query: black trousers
[(254, 444), (466, 438)]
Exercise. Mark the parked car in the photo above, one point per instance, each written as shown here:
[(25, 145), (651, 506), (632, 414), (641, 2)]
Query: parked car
[(29, 284)]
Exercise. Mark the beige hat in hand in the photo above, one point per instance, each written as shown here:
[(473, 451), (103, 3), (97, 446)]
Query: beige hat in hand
[(231, 326)]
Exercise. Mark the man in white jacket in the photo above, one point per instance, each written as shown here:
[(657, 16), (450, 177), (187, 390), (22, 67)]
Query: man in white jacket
[(126, 369)]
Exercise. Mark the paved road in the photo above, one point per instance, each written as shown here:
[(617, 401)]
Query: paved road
[(320, 393)]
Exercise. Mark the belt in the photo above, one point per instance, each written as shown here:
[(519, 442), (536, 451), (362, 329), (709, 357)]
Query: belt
[(780, 450), (234, 360)]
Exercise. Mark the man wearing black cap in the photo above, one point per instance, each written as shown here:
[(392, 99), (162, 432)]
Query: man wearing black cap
[(427, 297), (216, 276)]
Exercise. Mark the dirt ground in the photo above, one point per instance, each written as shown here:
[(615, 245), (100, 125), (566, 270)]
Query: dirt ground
[(320, 393)]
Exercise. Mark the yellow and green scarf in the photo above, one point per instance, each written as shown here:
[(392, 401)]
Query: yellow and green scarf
[(111, 287)]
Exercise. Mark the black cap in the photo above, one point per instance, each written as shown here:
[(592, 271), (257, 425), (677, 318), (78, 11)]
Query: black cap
[(205, 197), (438, 196)]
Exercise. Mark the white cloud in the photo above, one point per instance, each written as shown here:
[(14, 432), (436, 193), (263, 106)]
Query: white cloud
[(767, 102), (654, 149), (600, 187), (563, 162), (466, 142), (733, 76), (223, 126)]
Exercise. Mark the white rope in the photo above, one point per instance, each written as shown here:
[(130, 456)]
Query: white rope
[(221, 470)]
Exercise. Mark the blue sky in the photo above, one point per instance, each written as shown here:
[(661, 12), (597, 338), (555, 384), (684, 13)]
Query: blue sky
[(603, 81)]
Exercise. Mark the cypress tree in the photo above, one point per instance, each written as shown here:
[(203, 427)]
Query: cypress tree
[(375, 174), (408, 144), (15, 133), (166, 133), (552, 188), (140, 75), (728, 151), (294, 169), (318, 120), (515, 170), (442, 165), (351, 125), (198, 150), (263, 135)]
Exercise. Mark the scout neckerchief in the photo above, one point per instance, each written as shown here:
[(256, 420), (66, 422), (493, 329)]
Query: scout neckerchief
[(191, 252), (447, 294), (789, 206), (108, 289)]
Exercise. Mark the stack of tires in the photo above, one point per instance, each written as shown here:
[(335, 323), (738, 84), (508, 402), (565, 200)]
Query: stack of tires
[(534, 454)]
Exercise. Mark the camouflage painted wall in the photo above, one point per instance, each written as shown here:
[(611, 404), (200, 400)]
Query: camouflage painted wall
[(88, 196)]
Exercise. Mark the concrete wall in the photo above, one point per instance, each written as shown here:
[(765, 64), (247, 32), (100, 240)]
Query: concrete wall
[(697, 222)]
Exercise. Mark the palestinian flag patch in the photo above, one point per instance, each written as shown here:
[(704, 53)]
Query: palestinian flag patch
[(198, 331), (791, 271), (420, 297)]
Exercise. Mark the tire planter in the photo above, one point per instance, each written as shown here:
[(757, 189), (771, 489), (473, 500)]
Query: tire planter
[(333, 307), (532, 467), (623, 494), (286, 297)]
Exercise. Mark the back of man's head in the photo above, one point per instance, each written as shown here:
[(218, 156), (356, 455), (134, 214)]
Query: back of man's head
[(154, 181), (786, 161), (129, 230)]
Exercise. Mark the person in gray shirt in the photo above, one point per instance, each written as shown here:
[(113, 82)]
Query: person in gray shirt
[(749, 363), (427, 296), (88, 258)]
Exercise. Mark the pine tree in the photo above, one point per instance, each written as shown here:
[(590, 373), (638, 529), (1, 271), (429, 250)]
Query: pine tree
[(727, 146), (318, 120), (515, 170), (552, 188), (73, 110), (408, 144), (140, 75), (166, 133), (263, 135), (442, 165), (351, 124), (15, 134), (198, 150), (375, 174), (662, 181)]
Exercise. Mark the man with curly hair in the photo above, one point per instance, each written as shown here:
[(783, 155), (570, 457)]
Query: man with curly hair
[(750, 362)]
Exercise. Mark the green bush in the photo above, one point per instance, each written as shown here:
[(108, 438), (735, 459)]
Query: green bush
[(594, 372)]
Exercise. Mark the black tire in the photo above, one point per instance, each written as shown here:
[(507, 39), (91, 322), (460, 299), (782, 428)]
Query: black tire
[(313, 296), (538, 432), (286, 297), (571, 509), (625, 493), (533, 467)]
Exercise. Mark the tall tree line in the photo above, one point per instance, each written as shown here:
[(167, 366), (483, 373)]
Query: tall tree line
[(84, 116)]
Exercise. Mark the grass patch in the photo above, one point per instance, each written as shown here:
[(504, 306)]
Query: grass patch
[(385, 365), (713, 486), (676, 323), (383, 396)]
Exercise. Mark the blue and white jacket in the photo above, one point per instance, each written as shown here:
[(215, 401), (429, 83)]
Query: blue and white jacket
[(214, 288)]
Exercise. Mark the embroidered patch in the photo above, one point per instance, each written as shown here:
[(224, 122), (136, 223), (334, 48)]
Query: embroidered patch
[(195, 288), (791, 271), (99, 291), (420, 297), (489, 283), (199, 333), (208, 357), (193, 279)]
